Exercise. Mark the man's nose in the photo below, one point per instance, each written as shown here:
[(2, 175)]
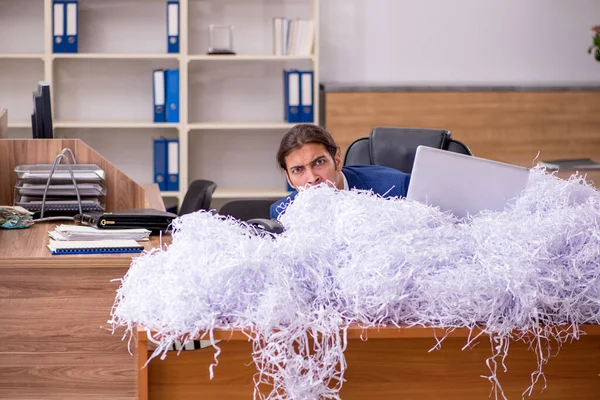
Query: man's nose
[(312, 177)]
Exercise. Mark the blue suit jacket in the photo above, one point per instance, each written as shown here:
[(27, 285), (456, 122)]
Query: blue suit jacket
[(381, 180)]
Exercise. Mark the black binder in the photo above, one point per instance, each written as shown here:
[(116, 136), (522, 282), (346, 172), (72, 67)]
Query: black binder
[(148, 218)]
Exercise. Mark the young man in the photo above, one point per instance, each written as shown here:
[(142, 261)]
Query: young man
[(309, 156)]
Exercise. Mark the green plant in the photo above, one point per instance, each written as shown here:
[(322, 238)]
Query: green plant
[(594, 49)]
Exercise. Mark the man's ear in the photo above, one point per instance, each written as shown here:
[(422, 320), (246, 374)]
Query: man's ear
[(338, 160)]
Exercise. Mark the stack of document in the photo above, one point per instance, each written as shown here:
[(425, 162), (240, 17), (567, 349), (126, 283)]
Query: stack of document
[(88, 233)]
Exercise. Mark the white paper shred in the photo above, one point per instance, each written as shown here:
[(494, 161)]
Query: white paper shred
[(530, 273)]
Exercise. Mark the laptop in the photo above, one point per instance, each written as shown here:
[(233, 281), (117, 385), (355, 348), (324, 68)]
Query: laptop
[(464, 185)]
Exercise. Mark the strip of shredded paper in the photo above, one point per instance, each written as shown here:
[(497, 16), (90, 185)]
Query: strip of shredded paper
[(529, 273)]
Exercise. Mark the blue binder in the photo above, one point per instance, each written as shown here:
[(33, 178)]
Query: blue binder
[(291, 95), (58, 26), (173, 164), (173, 26), (71, 26), (158, 95), (160, 163), (307, 96), (172, 94)]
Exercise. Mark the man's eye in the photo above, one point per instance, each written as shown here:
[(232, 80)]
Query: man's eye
[(295, 170), (319, 162)]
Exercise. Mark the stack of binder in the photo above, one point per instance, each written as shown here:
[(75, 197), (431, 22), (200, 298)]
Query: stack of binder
[(166, 164), (61, 196), (65, 26), (293, 37), (65, 23), (298, 93), (165, 91)]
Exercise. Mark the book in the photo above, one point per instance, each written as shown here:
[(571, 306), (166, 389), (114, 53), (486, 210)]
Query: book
[(94, 247)]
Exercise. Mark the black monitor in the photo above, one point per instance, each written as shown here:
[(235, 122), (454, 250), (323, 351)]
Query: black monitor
[(41, 117)]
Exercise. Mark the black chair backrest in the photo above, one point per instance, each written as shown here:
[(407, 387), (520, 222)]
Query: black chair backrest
[(396, 147), (198, 196), (459, 147), (358, 153), (245, 210)]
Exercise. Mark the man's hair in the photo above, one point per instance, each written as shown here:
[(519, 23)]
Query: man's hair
[(302, 134)]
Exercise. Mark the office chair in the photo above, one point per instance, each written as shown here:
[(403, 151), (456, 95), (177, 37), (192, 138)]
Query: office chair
[(396, 147), (197, 197), (255, 212), (247, 209)]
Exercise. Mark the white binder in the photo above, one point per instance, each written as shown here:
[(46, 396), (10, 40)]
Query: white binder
[(173, 27), (58, 27)]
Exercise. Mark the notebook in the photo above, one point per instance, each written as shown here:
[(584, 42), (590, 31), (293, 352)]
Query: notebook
[(95, 247), (464, 185), (77, 232)]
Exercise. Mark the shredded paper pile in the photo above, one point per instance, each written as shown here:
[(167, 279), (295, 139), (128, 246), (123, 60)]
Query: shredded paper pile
[(530, 273)]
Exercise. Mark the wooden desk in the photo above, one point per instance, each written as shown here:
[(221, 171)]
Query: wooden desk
[(55, 342), (391, 364)]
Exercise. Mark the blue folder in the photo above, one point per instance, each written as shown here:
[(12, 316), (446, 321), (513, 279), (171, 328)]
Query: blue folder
[(307, 96), (160, 163), (173, 26), (158, 95), (173, 164), (291, 95), (58, 26), (71, 26), (172, 94)]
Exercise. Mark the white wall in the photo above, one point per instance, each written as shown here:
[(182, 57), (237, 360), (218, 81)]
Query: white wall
[(413, 42), (497, 42)]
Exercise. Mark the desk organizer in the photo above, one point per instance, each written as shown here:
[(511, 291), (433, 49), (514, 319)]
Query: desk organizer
[(60, 189)]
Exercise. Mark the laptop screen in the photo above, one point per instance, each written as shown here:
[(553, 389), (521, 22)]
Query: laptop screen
[(464, 185)]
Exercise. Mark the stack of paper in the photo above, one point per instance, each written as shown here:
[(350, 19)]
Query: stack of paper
[(88, 233)]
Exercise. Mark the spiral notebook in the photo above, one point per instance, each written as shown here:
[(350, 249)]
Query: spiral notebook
[(95, 247)]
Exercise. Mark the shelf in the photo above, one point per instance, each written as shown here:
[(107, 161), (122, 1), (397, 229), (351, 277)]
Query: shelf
[(113, 124), (168, 193), (117, 62), (117, 56), (19, 124), (249, 193), (240, 125), (20, 56), (246, 57)]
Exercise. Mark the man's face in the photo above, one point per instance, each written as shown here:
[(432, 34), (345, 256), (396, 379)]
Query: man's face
[(312, 164)]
